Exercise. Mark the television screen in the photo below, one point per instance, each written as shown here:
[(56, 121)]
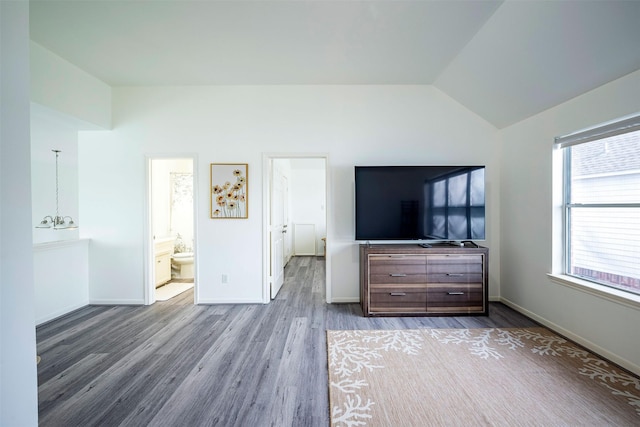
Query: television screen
[(437, 203)]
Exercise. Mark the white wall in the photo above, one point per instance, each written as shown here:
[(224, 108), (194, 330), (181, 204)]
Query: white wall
[(112, 191), (18, 379), (61, 277), (308, 197), (353, 124), (63, 87), (527, 210), (65, 100), (60, 289)]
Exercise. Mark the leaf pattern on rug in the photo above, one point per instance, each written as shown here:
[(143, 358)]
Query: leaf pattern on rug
[(349, 386), (479, 340), (354, 351), (547, 344), (544, 345), (354, 412), (595, 368), (348, 356)]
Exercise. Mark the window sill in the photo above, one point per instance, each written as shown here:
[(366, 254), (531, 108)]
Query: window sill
[(625, 298)]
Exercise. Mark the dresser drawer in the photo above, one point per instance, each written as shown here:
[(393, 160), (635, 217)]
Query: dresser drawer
[(455, 269), (464, 278), (449, 260), (461, 297), (399, 278), (454, 264), (398, 299), (397, 269), (391, 263)]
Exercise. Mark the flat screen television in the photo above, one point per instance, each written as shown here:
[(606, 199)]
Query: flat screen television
[(423, 203)]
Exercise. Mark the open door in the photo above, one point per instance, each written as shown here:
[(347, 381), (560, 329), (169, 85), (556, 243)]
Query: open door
[(170, 226), (278, 212), (288, 238), (278, 230)]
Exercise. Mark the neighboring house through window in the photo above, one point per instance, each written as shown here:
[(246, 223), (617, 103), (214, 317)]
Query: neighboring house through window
[(601, 204)]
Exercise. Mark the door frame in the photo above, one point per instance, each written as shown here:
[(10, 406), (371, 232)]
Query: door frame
[(148, 247), (267, 176)]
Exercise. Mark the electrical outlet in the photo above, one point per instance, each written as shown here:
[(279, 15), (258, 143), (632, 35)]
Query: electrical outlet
[(225, 279)]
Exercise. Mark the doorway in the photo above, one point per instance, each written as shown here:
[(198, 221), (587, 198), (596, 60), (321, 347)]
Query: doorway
[(171, 243), (295, 220)]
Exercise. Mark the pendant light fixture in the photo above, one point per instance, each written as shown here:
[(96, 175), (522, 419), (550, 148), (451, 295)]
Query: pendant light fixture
[(57, 221)]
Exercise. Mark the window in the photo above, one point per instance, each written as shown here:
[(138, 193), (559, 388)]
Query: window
[(601, 203)]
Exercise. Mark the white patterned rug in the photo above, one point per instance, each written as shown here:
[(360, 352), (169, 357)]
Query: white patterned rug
[(474, 377), (171, 290)]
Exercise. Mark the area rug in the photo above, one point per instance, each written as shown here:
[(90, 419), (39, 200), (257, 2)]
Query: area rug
[(171, 290), (474, 377)]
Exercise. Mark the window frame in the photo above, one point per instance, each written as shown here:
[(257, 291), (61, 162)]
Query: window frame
[(565, 277)]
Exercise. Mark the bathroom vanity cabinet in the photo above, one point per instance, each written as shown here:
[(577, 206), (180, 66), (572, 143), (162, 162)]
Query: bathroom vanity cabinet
[(162, 252)]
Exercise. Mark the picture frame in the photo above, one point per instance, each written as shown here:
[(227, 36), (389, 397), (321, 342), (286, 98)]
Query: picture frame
[(229, 190)]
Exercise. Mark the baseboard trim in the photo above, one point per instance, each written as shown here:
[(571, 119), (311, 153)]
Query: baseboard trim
[(60, 313), (345, 300), (600, 351), (228, 301), (116, 302)]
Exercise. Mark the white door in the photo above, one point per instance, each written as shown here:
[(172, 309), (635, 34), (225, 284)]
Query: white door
[(288, 236), (278, 231)]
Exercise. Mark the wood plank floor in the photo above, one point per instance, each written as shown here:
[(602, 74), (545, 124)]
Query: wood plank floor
[(179, 364)]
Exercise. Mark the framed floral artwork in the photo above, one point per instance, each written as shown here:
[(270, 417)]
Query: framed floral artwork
[(229, 190)]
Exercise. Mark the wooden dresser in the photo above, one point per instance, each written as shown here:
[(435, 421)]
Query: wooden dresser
[(409, 280)]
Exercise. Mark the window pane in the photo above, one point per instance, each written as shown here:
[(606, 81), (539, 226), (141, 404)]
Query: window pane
[(604, 241), (605, 246), (607, 170)]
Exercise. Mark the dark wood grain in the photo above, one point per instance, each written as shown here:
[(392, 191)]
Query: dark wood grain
[(411, 280), (179, 364)]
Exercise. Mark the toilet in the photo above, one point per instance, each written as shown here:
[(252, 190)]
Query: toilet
[(183, 261)]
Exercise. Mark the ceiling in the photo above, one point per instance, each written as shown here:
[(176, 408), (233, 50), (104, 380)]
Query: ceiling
[(505, 61)]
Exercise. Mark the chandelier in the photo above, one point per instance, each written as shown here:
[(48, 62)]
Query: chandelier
[(57, 221)]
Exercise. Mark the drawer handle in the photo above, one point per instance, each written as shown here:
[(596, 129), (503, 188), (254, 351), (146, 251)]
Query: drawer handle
[(398, 275), (398, 294), (455, 274), (455, 293)]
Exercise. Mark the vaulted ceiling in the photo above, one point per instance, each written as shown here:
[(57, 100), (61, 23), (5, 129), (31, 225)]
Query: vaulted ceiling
[(504, 60)]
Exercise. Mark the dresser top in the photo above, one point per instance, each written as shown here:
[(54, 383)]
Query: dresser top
[(417, 249)]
